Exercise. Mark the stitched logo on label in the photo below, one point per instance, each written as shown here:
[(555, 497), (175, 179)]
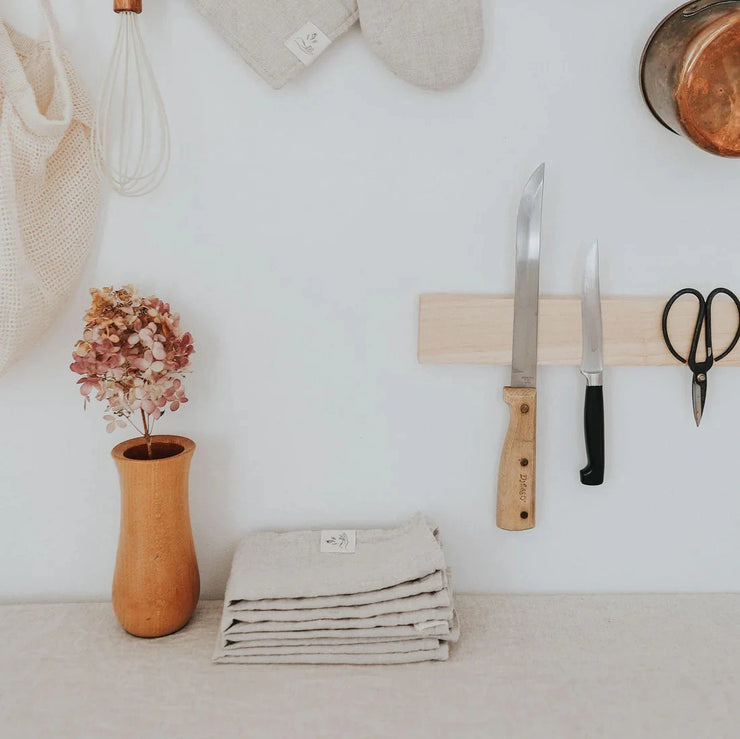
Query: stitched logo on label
[(339, 541), (308, 42)]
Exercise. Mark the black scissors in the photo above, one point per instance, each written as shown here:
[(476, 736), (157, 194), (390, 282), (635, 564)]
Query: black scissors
[(703, 320)]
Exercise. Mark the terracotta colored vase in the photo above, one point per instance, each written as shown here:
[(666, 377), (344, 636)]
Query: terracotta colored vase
[(156, 583)]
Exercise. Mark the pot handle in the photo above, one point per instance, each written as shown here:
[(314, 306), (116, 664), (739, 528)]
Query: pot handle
[(695, 8)]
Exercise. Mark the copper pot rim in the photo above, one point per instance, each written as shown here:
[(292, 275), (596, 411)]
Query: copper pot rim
[(643, 57), (649, 44)]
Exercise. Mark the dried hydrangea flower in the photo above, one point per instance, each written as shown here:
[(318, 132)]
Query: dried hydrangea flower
[(131, 356)]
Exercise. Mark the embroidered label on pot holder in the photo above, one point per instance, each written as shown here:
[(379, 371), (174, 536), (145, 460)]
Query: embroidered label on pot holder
[(343, 541), (307, 43)]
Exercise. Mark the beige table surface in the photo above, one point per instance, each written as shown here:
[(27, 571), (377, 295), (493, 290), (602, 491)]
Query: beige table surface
[(527, 666)]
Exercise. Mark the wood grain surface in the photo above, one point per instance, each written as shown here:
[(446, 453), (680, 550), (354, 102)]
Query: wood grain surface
[(516, 472), (156, 582), (477, 329)]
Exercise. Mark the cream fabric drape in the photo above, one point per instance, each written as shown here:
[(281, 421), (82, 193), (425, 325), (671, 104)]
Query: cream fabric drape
[(49, 189)]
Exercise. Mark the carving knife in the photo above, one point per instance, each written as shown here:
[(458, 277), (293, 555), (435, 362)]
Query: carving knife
[(516, 473), (592, 368)]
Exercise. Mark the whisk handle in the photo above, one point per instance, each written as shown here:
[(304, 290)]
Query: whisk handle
[(130, 6)]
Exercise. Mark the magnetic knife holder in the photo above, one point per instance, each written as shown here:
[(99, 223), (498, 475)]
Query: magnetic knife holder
[(477, 329)]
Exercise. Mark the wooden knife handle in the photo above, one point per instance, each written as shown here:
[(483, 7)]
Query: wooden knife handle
[(516, 473)]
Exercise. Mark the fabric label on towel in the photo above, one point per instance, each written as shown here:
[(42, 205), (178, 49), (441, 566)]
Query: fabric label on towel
[(308, 42), (339, 542)]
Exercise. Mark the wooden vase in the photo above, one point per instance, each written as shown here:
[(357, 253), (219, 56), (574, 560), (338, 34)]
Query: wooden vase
[(156, 582)]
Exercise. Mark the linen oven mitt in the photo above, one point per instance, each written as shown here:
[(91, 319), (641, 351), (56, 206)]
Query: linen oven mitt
[(280, 38), (433, 44)]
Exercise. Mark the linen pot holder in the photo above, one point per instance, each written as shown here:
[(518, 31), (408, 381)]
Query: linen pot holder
[(280, 38), (433, 44)]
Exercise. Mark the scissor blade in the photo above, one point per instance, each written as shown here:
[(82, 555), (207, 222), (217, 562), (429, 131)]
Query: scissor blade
[(698, 398), (592, 362), (527, 285)]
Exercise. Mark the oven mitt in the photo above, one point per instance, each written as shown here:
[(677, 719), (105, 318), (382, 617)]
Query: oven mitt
[(434, 44), (279, 38)]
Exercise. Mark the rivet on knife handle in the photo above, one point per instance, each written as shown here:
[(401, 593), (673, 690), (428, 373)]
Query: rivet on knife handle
[(516, 476)]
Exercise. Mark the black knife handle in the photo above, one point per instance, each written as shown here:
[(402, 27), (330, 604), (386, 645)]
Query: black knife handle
[(593, 421)]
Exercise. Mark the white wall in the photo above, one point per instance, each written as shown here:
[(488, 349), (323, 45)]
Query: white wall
[(294, 234)]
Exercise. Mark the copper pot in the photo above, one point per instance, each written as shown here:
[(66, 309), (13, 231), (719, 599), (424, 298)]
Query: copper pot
[(690, 74)]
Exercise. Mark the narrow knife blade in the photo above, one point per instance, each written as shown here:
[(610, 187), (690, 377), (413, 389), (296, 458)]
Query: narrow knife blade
[(527, 282), (698, 398), (592, 361)]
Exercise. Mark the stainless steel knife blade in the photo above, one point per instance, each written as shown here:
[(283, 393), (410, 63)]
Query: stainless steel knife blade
[(592, 361), (527, 282)]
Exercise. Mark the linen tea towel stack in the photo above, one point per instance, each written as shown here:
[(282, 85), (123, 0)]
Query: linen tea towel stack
[(377, 596)]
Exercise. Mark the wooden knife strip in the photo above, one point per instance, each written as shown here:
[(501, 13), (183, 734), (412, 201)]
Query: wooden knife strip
[(477, 329)]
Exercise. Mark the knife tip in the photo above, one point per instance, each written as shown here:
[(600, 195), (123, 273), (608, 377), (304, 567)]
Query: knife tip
[(536, 180)]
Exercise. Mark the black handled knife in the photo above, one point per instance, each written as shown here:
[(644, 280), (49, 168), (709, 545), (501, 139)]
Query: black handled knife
[(592, 368)]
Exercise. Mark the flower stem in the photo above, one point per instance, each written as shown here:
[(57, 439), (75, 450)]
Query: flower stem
[(138, 430), (147, 435)]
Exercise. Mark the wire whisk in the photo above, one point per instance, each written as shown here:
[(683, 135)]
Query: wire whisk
[(131, 138)]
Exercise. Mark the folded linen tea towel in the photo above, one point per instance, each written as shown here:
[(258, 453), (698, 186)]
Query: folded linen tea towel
[(397, 658), (443, 630), (378, 596)]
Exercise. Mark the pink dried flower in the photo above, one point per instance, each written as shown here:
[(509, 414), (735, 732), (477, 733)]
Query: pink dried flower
[(130, 355), (113, 423)]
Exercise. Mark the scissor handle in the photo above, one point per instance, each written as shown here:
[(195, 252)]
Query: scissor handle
[(708, 332), (691, 359)]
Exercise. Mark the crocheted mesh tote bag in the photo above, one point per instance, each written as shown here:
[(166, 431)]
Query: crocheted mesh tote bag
[(49, 187)]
